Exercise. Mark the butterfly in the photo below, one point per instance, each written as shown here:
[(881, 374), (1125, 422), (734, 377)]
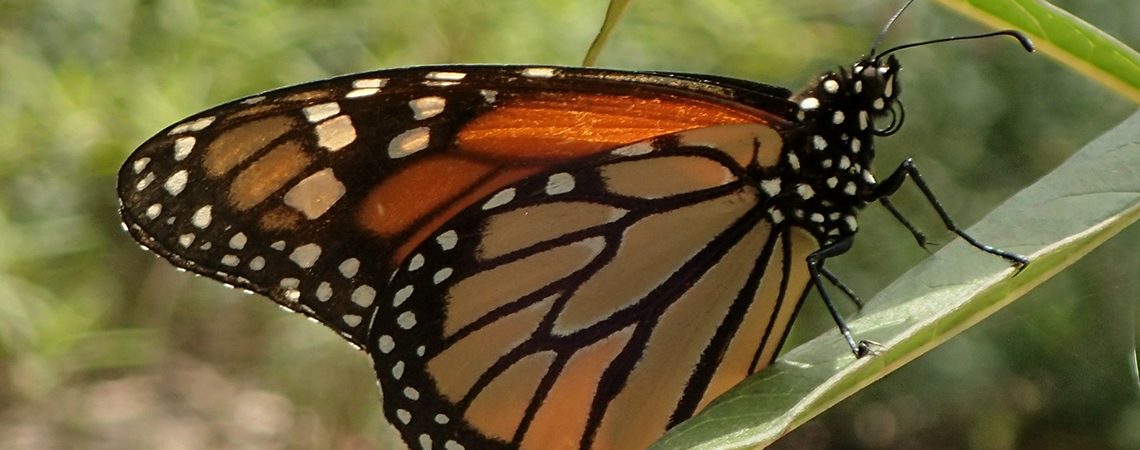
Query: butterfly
[(535, 257)]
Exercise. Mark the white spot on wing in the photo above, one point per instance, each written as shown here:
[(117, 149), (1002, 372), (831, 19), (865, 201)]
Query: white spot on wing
[(386, 344), (402, 295), (306, 255), (324, 291), (365, 83), (257, 263), (177, 182), (366, 87), (238, 241), (809, 103), (153, 211), (335, 134), (559, 183), (794, 161), (805, 191), (770, 187), (143, 183), (183, 146), (488, 95), (447, 240), (818, 142), (195, 125), (427, 107), (500, 198), (364, 296), (411, 393), (317, 113), (445, 76), (314, 195), (357, 93), (639, 148), (538, 72), (140, 164), (442, 275), (406, 320), (416, 262), (202, 217), (349, 267), (352, 319), (409, 142)]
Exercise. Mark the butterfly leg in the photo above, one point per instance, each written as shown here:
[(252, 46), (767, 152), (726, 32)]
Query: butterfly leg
[(908, 169), (815, 266), (919, 236), (835, 281)]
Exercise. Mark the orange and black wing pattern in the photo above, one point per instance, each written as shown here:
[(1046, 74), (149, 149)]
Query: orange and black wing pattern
[(535, 257)]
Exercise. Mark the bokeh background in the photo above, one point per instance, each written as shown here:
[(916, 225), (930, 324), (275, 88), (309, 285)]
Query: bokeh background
[(104, 346)]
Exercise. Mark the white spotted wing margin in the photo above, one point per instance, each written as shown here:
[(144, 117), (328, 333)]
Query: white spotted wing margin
[(593, 306)]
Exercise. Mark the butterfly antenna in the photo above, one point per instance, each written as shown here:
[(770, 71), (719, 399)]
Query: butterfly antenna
[(888, 26), (1021, 37)]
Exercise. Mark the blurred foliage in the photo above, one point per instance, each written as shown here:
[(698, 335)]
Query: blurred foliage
[(104, 346)]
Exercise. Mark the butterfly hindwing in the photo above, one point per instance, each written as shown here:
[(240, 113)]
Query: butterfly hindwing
[(525, 321)]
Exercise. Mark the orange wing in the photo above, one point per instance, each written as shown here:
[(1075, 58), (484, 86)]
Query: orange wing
[(435, 216)]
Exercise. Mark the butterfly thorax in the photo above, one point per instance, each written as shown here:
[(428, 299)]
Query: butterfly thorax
[(832, 150)]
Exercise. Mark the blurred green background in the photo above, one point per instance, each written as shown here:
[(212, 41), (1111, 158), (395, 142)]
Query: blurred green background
[(103, 346)]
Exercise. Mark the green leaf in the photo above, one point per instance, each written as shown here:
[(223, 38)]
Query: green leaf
[(1065, 37), (1055, 221)]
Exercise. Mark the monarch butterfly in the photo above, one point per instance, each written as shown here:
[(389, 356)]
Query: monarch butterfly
[(535, 257)]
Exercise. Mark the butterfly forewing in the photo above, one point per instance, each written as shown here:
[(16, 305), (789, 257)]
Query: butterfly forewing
[(318, 190)]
